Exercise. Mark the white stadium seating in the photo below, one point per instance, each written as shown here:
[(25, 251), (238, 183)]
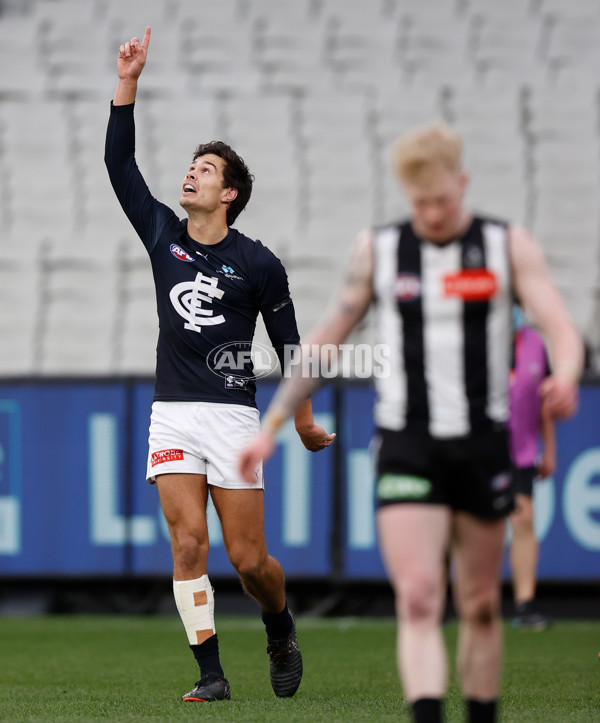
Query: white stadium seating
[(312, 94)]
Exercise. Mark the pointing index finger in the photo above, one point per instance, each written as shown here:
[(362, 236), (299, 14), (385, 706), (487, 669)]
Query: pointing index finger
[(146, 40)]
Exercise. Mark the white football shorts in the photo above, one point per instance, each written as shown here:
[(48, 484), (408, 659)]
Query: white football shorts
[(202, 438)]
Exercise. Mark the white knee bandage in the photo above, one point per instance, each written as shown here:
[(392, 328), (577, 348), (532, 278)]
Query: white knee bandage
[(196, 604)]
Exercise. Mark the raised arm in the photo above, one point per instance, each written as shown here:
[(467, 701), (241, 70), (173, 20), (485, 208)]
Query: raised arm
[(348, 309), (145, 213), (544, 303), (130, 63)]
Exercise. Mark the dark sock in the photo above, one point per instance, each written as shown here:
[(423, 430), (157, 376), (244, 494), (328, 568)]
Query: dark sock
[(427, 710), (524, 605), (207, 657), (278, 625), (481, 711), (524, 608)]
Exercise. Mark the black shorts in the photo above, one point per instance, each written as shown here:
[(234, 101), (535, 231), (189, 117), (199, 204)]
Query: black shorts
[(523, 479), (468, 473)]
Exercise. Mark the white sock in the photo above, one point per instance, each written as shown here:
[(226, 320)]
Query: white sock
[(196, 604)]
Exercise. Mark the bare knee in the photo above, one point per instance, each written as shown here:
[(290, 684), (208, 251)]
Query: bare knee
[(246, 560), (480, 609), (522, 518), (190, 548), (418, 599)]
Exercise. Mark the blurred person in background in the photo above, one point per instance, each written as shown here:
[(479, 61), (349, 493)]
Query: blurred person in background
[(442, 283), (211, 284), (533, 454)]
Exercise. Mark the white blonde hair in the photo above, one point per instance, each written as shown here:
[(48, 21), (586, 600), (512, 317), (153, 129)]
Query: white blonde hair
[(422, 154)]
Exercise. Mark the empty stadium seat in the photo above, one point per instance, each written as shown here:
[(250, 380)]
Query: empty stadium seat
[(19, 37), (288, 43), (21, 300), (313, 95)]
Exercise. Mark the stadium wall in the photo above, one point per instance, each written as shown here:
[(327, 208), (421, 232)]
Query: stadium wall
[(74, 501)]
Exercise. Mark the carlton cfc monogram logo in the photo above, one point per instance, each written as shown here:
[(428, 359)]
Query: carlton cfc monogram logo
[(187, 299)]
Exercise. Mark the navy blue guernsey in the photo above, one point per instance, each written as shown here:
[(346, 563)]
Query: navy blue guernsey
[(206, 295)]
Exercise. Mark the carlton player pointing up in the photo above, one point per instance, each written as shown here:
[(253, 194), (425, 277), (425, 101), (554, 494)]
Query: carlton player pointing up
[(442, 283), (211, 283)]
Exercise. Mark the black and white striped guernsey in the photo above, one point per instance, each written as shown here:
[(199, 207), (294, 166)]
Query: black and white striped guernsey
[(444, 311)]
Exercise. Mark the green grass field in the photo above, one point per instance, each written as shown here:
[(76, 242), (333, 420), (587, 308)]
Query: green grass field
[(135, 668)]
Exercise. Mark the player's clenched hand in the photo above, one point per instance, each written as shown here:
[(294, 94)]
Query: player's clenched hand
[(547, 465), (260, 448), (132, 57), (315, 438), (559, 394)]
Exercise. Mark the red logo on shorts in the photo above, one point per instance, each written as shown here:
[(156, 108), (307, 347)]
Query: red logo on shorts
[(166, 455), (471, 285)]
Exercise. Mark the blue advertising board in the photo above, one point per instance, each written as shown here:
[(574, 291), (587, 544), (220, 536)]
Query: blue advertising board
[(58, 460), (566, 507), (74, 500), (361, 556)]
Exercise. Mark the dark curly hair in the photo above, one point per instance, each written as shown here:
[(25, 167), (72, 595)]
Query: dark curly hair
[(235, 175)]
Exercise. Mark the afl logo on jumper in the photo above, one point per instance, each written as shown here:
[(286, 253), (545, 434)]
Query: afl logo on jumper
[(471, 285), (179, 253), (407, 287)]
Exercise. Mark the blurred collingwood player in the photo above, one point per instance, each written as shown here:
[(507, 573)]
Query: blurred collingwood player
[(442, 283), (211, 283)]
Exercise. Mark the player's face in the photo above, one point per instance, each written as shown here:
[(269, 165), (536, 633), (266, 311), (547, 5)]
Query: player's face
[(438, 213), (202, 188)]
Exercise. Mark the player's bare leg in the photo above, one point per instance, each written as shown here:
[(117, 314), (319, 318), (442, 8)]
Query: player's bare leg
[(242, 521), (524, 550), (241, 513), (477, 556), (523, 561), (413, 540), (183, 498)]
